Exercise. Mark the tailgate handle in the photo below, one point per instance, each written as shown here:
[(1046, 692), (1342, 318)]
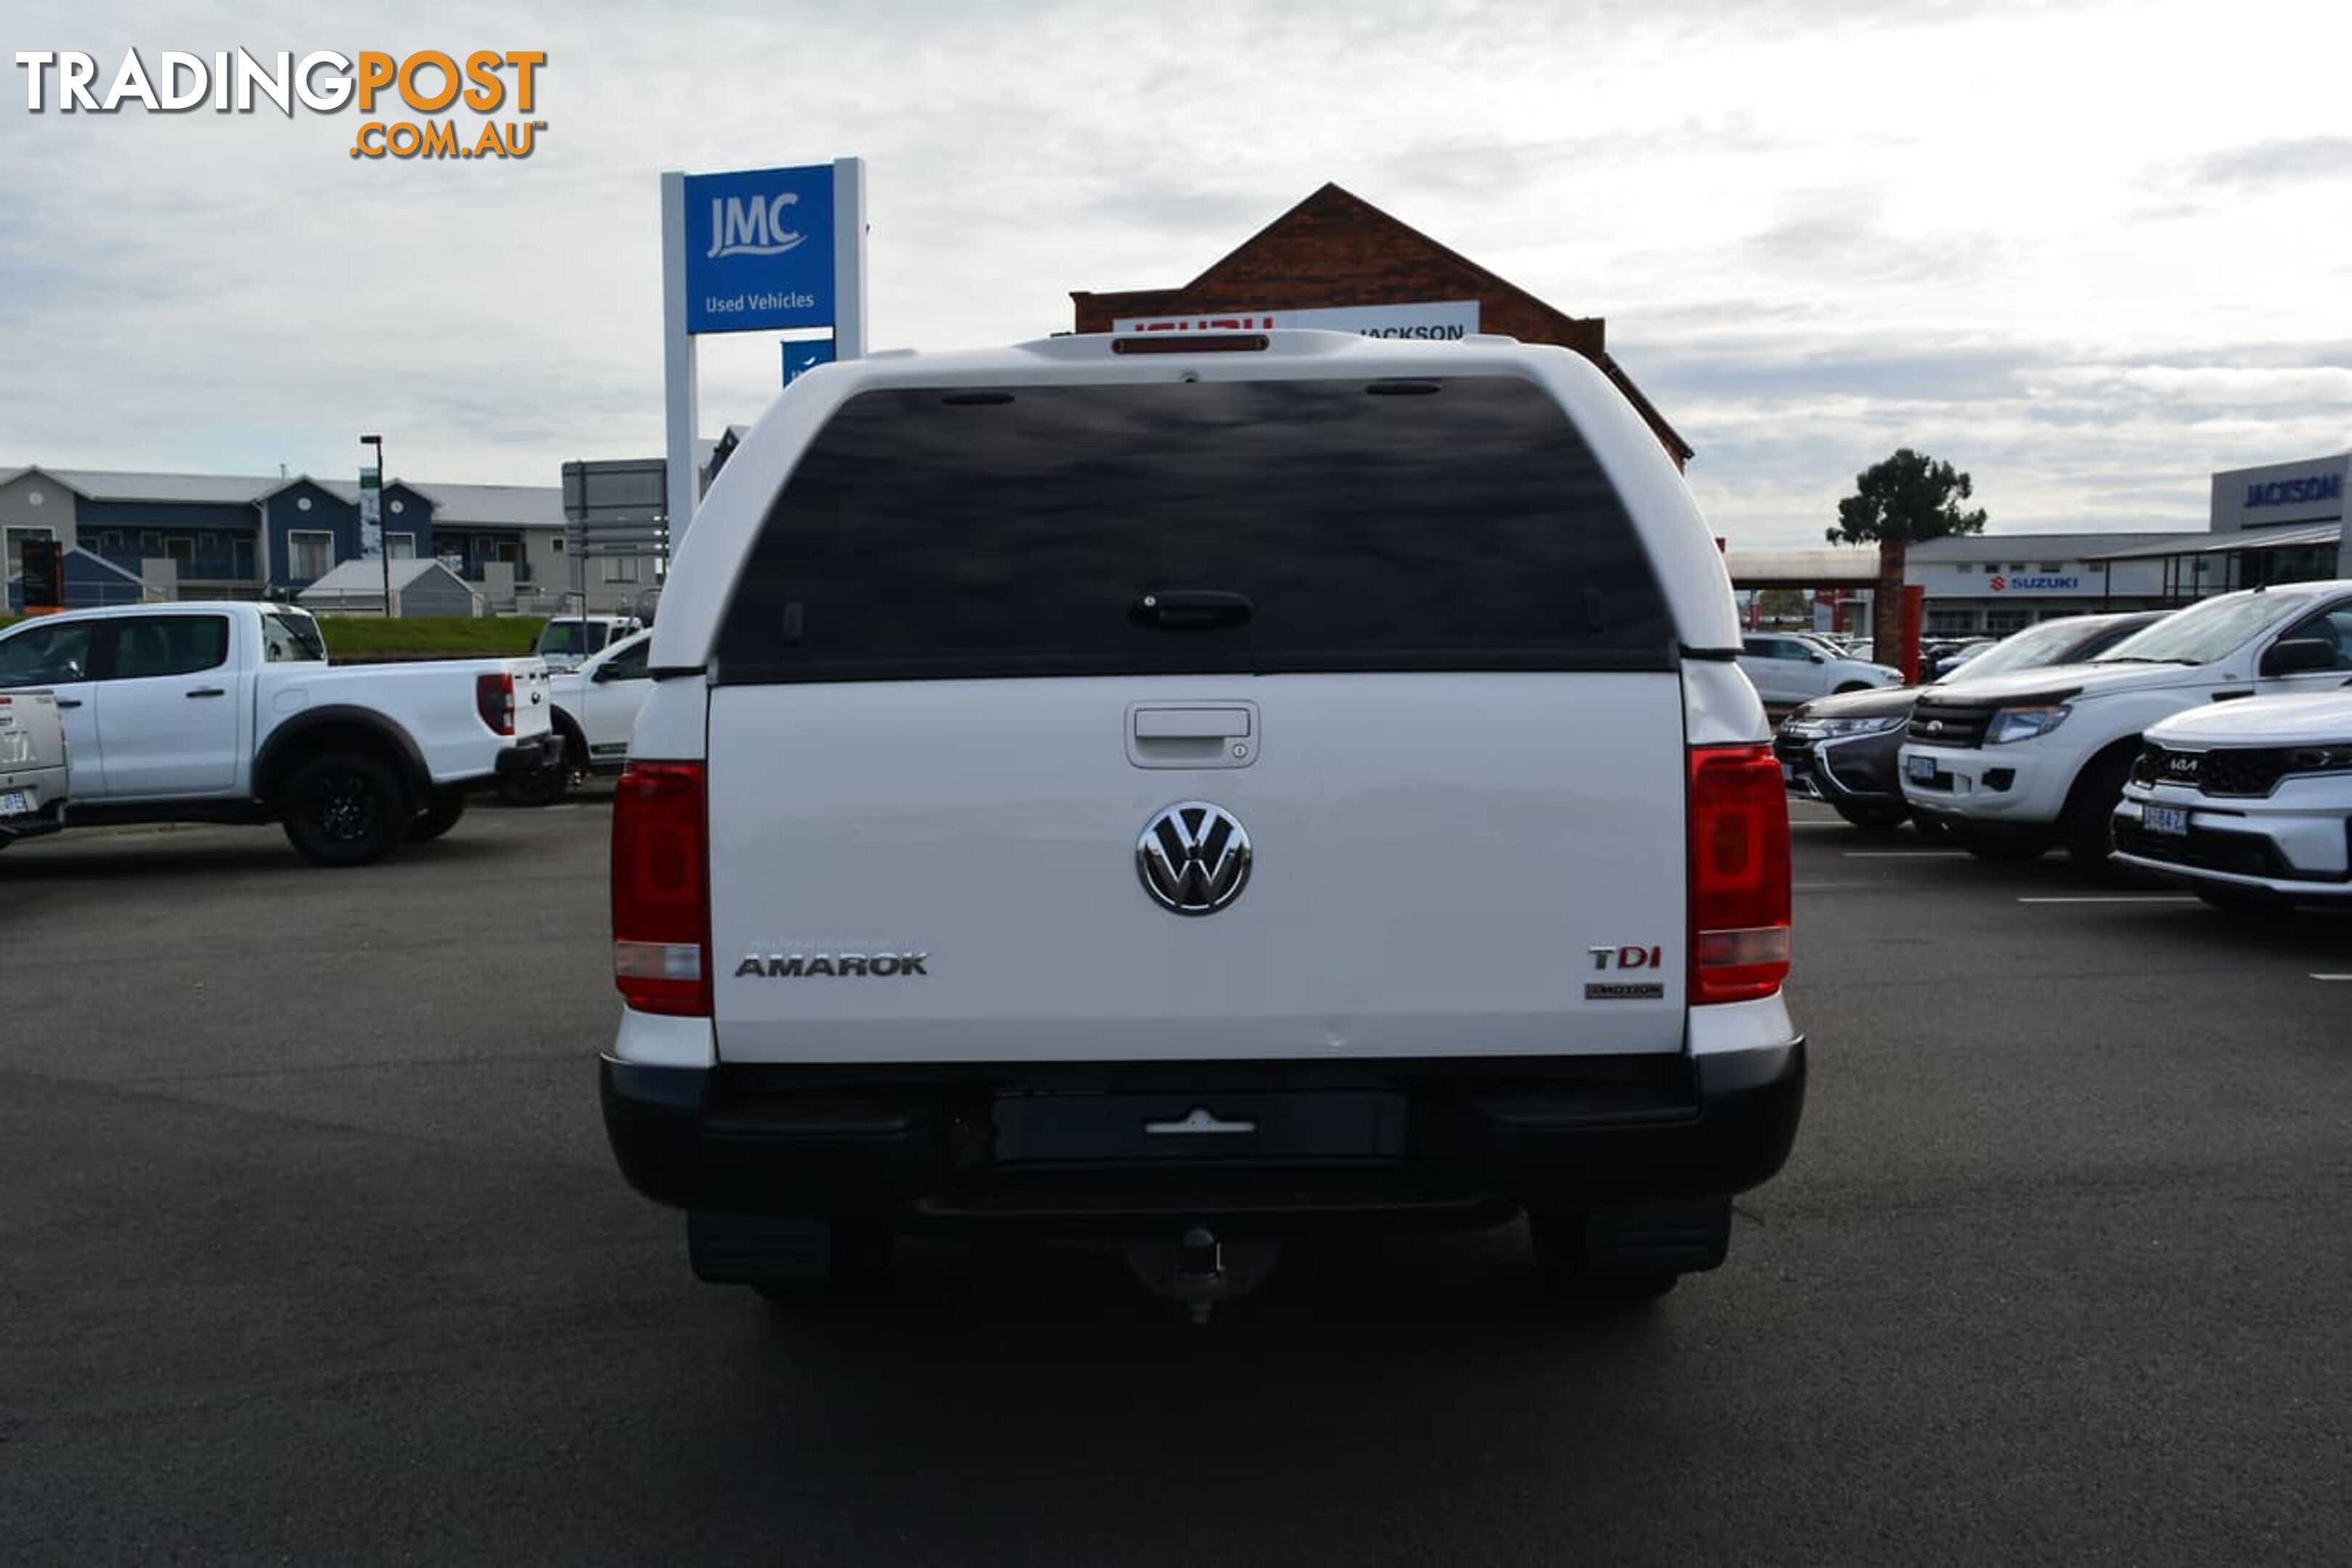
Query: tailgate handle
[(1190, 722), (1199, 734), (1190, 609)]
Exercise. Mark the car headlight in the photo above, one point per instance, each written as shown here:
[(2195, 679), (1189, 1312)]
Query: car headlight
[(2013, 724), (2320, 760), (1833, 728)]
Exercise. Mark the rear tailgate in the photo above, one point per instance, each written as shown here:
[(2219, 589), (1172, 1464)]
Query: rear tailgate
[(1403, 631), (936, 871), (32, 753), (534, 706)]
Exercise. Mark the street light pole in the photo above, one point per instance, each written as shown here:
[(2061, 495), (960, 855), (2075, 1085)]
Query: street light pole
[(382, 543)]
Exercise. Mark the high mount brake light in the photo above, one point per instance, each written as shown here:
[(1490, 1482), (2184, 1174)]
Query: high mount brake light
[(1192, 343), (1739, 899)]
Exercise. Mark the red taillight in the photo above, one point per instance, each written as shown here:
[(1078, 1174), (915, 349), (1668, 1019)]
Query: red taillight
[(661, 889), (494, 700), (1738, 873)]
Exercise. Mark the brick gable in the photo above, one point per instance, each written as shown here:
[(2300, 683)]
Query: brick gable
[(1335, 249)]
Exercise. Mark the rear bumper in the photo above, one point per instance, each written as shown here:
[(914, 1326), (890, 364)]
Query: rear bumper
[(1273, 1147), (46, 817), (528, 756)]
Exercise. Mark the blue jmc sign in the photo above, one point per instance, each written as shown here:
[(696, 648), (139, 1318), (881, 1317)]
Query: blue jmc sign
[(759, 249)]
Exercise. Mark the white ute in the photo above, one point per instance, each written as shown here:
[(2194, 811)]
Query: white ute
[(593, 707), (2015, 763), (1187, 791), (33, 782), (229, 712)]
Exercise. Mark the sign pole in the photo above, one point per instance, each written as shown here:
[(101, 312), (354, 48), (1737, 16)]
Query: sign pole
[(849, 258), (681, 391), (372, 539)]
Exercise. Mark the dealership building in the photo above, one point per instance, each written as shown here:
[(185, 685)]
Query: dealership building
[(1337, 262), (2283, 522)]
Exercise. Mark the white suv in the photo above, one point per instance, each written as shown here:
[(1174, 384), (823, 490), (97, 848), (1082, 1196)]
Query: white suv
[(2249, 803), (1790, 668), (2014, 763), (1191, 790)]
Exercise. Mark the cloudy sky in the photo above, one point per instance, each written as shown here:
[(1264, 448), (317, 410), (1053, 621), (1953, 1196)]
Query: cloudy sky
[(2089, 252)]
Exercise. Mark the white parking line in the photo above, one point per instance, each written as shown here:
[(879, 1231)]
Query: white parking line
[(2332, 976), (2119, 898)]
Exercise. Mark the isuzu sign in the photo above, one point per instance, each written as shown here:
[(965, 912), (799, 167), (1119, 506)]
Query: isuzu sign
[(759, 251), (1450, 321)]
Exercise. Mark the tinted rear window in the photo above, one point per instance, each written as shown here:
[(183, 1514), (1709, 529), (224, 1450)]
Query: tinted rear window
[(1328, 525)]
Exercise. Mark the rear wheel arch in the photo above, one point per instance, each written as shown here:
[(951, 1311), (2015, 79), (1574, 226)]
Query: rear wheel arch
[(312, 734)]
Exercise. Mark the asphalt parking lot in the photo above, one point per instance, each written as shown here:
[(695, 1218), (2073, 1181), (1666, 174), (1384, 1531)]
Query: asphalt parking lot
[(311, 1249)]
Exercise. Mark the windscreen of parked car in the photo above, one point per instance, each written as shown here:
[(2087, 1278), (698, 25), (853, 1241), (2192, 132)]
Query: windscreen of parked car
[(2203, 633), (2047, 644), (563, 640), (1183, 527)]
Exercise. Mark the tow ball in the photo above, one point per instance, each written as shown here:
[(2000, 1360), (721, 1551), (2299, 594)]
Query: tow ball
[(1199, 1272)]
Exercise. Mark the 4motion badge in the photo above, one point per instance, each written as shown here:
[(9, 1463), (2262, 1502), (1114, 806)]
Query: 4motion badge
[(1621, 958)]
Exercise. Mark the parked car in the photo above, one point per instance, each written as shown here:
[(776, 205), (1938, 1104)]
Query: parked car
[(229, 712), (595, 707), (2011, 764), (1788, 668), (1844, 750), (34, 778), (566, 642), (2248, 803), (1148, 787), (1945, 664)]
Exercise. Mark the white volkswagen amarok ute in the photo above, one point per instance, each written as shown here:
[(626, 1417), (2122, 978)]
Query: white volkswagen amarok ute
[(1186, 792)]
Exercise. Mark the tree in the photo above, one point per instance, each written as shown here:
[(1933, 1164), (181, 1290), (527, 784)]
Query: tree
[(1906, 500)]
